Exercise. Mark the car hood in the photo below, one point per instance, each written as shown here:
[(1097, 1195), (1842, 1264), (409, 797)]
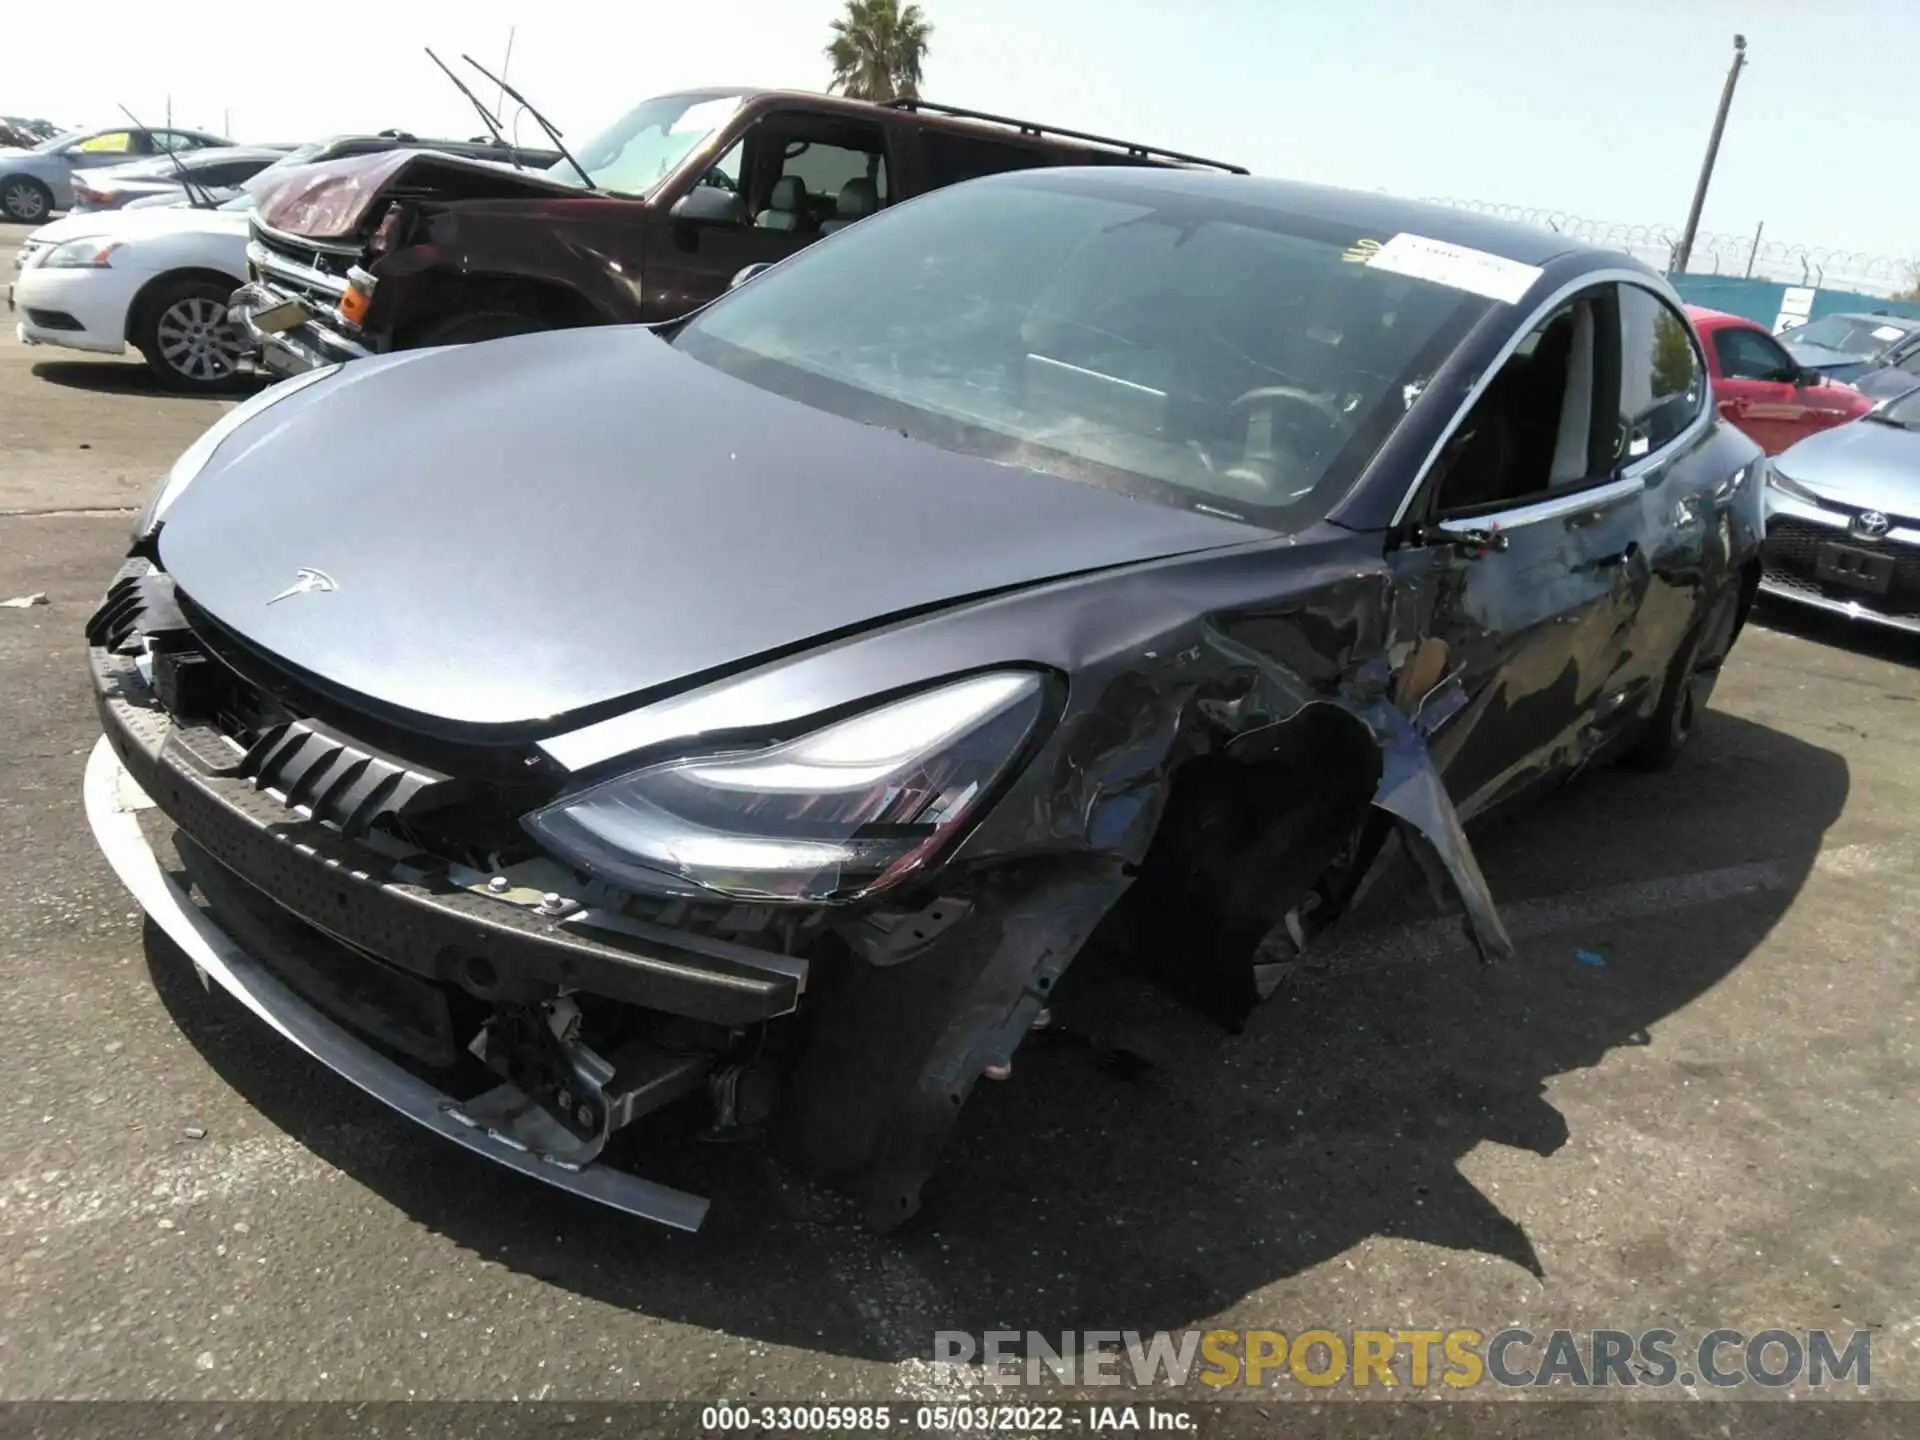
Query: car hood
[(517, 530), (1886, 383), (1863, 463), (1820, 357), (141, 224), (330, 199)]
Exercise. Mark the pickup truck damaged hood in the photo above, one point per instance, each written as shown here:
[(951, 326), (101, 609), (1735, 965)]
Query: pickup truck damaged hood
[(513, 531), (331, 200)]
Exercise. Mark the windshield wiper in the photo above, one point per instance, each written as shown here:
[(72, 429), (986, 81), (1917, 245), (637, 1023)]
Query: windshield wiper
[(486, 115), (553, 131), (200, 199)]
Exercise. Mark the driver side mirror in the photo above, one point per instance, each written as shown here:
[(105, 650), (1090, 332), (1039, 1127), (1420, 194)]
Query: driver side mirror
[(1806, 378), (710, 205)]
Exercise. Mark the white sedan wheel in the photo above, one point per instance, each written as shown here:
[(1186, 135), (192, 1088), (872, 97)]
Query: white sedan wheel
[(194, 341)]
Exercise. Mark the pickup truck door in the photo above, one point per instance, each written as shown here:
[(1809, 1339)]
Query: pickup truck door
[(787, 171)]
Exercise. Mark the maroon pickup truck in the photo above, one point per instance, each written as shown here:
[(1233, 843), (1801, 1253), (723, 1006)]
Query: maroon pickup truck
[(643, 223)]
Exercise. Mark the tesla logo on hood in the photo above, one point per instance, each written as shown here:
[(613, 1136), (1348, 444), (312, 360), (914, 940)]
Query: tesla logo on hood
[(305, 580)]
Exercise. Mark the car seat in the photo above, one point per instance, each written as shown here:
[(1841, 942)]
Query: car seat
[(786, 205)]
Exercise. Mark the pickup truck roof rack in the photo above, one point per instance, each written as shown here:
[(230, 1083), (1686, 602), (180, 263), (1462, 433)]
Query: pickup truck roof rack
[(1028, 127)]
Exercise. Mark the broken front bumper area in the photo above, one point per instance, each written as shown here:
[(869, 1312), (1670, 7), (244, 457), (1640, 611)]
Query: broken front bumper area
[(287, 333), (363, 962), (503, 1125)]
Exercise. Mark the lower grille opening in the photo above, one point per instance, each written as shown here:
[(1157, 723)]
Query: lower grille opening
[(1791, 561), (409, 1017)]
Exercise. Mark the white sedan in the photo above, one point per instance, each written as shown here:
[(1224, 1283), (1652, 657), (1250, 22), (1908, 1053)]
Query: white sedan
[(155, 279)]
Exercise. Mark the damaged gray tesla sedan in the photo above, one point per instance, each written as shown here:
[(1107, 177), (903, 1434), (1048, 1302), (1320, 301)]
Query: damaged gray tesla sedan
[(760, 715)]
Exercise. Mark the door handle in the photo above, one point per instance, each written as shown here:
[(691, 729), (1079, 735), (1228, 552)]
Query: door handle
[(1616, 560)]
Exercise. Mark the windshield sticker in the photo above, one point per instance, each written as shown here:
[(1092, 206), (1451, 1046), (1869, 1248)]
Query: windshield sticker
[(1888, 332), (1456, 266)]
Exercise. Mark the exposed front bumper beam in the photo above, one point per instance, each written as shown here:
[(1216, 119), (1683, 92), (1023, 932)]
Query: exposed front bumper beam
[(113, 801), (307, 346)]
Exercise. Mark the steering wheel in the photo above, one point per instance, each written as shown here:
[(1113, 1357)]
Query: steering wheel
[(1319, 404), (720, 180), (1260, 478)]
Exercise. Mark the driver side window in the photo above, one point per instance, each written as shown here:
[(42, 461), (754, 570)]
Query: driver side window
[(1749, 355), (1533, 431)]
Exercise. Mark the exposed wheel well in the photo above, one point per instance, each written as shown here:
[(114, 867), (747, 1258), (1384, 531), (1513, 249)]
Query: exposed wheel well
[(434, 299), (143, 298), (1243, 842)]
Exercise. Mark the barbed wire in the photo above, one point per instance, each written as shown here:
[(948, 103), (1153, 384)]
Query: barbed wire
[(1716, 253)]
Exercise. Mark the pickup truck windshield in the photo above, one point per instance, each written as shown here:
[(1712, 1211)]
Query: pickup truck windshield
[(1193, 352), (641, 148)]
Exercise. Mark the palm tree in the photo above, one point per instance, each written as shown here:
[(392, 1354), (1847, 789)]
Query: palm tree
[(878, 49)]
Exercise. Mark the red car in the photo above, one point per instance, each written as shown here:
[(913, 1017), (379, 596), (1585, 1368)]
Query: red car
[(1763, 390)]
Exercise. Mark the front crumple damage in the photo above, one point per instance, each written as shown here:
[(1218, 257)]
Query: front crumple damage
[(335, 199), (1216, 787), (1212, 807)]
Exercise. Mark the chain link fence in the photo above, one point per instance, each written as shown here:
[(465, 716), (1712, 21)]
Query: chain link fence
[(1820, 266)]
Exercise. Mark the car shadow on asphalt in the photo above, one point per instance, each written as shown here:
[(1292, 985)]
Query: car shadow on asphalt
[(1144, 1169), (132, 377)]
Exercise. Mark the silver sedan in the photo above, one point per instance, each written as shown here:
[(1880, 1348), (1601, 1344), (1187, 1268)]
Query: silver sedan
[(1843, 518), (35, 183)]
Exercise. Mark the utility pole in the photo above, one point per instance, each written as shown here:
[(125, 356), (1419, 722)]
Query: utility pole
[(1685, 253)]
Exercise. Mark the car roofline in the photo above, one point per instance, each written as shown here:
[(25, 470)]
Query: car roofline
[(1369, 213)]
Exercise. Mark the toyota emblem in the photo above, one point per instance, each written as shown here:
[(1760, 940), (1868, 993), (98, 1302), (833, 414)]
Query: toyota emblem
[(1871, 524)]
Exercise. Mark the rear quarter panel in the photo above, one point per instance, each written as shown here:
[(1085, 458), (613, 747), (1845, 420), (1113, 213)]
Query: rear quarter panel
[(1702, 521)]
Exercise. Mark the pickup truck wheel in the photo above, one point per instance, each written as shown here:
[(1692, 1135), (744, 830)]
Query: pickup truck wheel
[(25, 199), (477, 325), (182, 331)]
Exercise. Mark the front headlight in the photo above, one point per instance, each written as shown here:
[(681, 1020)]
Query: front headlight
[(194, 459), (89, 254), (1788, 486), (833, 815)]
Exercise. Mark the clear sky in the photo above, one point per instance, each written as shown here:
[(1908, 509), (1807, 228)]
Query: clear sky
[(1599, 108)]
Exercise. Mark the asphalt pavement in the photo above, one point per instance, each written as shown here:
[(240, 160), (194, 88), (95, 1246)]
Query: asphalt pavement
[(1687, 1102)]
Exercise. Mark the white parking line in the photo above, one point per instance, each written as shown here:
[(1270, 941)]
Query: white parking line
[(1369, 948)]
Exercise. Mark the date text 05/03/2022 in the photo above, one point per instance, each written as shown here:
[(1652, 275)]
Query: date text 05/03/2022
[(971, 1419)]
